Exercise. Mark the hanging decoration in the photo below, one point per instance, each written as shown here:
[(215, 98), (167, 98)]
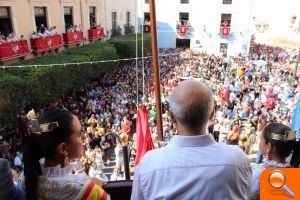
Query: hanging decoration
[(183, 28), (225, 29)]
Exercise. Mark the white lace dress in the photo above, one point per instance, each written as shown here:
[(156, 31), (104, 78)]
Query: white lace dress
[(59, 183)]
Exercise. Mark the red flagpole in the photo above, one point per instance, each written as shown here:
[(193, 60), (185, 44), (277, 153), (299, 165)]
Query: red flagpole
[(156, 70)]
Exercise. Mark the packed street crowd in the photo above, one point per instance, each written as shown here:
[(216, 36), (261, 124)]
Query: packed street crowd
[(249, 94)]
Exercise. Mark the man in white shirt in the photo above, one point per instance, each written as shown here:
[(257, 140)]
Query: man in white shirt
[(193, 166)]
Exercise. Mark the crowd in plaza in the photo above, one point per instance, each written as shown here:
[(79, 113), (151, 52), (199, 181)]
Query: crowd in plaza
[(249, 94)]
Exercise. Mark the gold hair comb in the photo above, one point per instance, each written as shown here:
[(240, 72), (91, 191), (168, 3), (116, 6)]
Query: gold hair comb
[(43, 128), (289, 135), (48, 127)]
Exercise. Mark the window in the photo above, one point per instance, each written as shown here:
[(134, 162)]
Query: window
[(114, 20), (147, 17), (5, 21), (128, 19), (68, 15), (184, 1), (146, 1), (128, 28), (223, 48), (92, 11), (183, 18), (226, 18), (146, 25), (227, 1), (40, 16)]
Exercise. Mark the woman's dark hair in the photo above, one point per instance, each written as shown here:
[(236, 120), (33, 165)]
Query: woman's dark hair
[(43, 145), (283, 148)]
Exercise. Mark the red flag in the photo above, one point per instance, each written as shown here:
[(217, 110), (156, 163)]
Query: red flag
[(144, 140)]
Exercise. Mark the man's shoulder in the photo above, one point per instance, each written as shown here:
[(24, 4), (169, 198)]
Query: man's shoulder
[(233, 153), (155, 154), (154, 157)]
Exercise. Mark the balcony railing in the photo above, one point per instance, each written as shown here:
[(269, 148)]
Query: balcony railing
[(225, 30), (146, 28), (183, 28)]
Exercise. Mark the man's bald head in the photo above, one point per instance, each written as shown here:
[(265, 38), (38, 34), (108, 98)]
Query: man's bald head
[(191, 104)]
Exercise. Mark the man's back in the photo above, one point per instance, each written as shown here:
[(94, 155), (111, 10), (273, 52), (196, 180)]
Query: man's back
[(193, 167)]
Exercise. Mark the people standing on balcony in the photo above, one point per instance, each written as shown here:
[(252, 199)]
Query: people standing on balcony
[(70, 29), (2, 38), (47, 32), (42, 28), (76, 28), (53, 30), (2, 35), (40, 34), (34, 35), (94, 26)]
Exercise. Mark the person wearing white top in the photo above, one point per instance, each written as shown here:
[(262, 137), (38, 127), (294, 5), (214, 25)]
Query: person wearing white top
[(193, 165), (116, 175), (17, 160)]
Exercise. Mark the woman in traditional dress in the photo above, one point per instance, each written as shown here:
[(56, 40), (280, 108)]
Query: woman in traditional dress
[(277, 141), (47, 152)]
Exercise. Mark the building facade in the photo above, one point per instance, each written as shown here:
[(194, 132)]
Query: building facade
[(119, 17), (204, 22), (23, 17)]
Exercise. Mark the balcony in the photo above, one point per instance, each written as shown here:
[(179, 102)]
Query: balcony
[(119, 190), (225, 30), (183, 28)]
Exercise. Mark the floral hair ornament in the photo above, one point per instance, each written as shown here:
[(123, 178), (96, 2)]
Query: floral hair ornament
[(43, 128), (289, 135)]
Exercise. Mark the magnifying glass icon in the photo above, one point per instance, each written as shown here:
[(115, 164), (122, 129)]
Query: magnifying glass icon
[(277, 180)]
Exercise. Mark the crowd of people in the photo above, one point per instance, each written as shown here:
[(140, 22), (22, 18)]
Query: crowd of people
[(11, 37), (96, 26), (248, 94), (42, 32), (76, 28)]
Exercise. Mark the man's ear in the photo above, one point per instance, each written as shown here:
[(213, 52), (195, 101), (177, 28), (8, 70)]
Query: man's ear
[(212, 115)]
